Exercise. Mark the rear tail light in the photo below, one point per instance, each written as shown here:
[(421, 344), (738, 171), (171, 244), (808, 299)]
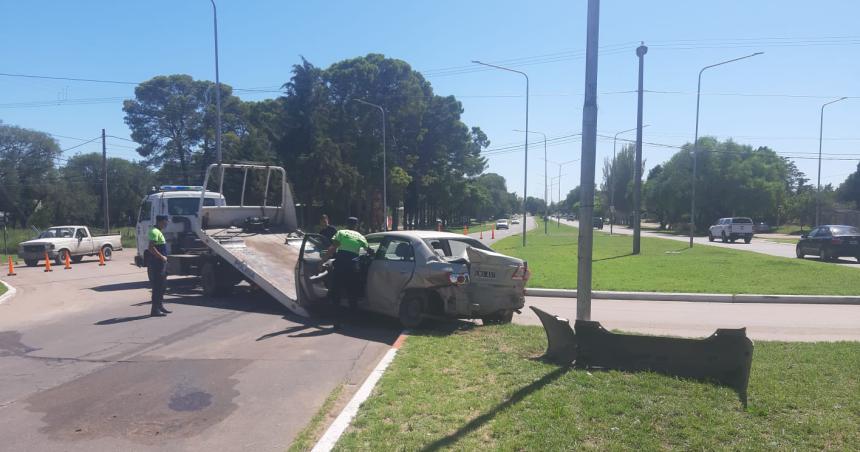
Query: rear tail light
[(458, 279), (522, 272)]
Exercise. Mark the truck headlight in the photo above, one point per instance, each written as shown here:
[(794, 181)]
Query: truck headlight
[(458, 279)]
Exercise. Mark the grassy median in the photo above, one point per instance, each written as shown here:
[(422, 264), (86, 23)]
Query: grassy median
[(484, 388), (670, 266)]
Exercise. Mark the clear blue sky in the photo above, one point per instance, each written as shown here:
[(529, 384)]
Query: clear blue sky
[(774, 99)]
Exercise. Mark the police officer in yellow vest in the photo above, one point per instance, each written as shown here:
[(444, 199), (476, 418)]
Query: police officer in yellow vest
[(346, 244), (156, 261)]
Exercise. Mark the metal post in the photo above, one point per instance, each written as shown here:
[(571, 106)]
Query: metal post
[(217, 89), (526, 163), (637, 169), (384, 165), (105, 184), (612, 181), (558, 218), (545, 179), (589, 148), (696, 143), (820, 140)]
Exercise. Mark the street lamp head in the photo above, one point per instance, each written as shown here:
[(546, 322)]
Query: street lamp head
[(477, 62)]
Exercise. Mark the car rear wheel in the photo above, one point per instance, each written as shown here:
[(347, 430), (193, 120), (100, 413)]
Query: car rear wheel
[(499, 317), (411, 311), (798, 252), (107, 252), (724, 237), (77, 259), (824, 255), (710, 237)]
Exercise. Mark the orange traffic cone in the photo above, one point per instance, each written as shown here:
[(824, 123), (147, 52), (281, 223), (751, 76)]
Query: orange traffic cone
[(68, 261), (11, 268), (47, 263), (493, 233), (101, 258)]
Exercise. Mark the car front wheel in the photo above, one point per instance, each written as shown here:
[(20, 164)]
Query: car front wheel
[(724, 238), (710, 237), (798, 252)]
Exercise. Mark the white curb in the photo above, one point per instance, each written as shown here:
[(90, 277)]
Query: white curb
[(331, 436), (10, 292), (699, 297)]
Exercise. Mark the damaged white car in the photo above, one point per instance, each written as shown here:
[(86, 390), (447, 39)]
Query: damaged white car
[(415, 274)]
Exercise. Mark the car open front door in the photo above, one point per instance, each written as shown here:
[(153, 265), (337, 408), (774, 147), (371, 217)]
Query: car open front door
[(390, 271), (311, 282)]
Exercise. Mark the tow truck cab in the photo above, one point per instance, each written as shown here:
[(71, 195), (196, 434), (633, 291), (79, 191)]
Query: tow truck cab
[(181, 203)]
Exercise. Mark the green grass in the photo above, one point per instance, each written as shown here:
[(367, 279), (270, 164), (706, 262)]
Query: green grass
[(483, 389), (476, 227), (2, 288), (792, 229), (306, 439), (669, 266)]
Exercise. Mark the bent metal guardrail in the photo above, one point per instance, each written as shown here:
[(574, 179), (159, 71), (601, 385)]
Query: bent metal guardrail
[(724, 358)]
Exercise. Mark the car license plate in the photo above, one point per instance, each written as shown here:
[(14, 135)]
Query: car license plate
[(852, 242), (483, 274)]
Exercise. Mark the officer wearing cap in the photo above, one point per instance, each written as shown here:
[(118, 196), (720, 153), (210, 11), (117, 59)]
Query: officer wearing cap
[(156, 265), (346, 244)]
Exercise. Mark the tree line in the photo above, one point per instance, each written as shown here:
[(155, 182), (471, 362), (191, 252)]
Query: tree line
[(732, 180), (329, 143)]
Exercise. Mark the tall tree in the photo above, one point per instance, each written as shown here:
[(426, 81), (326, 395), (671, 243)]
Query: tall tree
[(27, 172)]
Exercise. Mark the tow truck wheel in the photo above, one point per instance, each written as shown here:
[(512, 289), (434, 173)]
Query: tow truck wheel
[(499, 318), (412, 311), (209, 280)]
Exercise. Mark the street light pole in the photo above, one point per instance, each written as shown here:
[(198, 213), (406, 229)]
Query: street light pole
[(526, 164), (545, 186), (384, 166), (612, 180), (696, 142), (217, 88), (820, 140)]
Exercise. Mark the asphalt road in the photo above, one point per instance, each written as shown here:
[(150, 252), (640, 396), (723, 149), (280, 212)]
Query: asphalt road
[(83, 367), (757, 245), (784, 322), (515, 229)]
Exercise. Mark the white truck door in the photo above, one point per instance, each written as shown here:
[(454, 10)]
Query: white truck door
[(83, 242), (144, 222)]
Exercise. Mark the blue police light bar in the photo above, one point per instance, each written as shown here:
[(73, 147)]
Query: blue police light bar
[(181, 188)]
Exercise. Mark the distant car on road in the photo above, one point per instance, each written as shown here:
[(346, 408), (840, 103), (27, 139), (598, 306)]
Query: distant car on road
[(502, 224), (731, 229), (830, 242), (515, 221), (762, 228), (597, 222)]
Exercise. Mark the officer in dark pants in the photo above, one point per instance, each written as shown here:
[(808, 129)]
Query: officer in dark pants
[(346, 244), (156, 261)]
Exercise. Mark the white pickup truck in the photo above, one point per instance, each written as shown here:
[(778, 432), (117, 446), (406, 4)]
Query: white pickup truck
[(731, 229), (76, 241)]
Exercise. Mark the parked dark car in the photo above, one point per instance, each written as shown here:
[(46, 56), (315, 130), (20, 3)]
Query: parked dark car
[(597, 222), (762, 228), (830, 242)]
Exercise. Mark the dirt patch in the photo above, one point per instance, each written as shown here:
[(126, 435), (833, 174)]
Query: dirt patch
[(147, 401)]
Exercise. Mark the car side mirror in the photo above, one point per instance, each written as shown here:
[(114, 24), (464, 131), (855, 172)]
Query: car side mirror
[(803, 236)]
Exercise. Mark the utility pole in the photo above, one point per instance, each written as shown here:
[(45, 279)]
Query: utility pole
[(105, 184), (637, 169), (217, 96), (589, 149)]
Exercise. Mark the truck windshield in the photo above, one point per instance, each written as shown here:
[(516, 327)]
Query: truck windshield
[(186, 206), (57, 233)]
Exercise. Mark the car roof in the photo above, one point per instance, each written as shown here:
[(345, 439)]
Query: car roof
[(837, 226), (420, 235)]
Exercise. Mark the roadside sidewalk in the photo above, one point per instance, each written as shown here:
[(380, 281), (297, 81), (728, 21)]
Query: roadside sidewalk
[(699, 297)]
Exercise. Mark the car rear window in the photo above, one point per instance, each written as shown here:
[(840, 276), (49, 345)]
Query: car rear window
[(844, 230), (741, 220)]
